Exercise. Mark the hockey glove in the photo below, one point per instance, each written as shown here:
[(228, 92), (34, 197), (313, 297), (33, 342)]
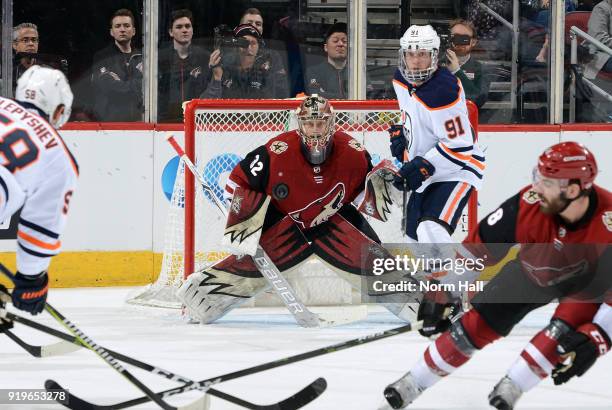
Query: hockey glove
[(30, 293), (581, 348), (5, 297), (437, 309), (413, 173), (398, 141)]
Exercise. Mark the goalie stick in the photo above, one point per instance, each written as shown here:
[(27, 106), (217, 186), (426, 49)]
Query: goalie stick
[(299, 399), (303, 316), (104, 354), (262, 367)]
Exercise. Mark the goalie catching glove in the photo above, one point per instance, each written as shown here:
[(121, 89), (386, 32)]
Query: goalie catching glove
[(377, 199), (580, 348)]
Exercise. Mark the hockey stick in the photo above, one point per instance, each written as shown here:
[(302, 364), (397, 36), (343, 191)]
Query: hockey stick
[(405, 200), (54, 349), (300, 399), (303, 316), (103, 353), (262, 367)]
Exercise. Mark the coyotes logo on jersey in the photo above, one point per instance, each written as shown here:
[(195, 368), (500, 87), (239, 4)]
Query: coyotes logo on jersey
[(320, 210), (607, 220)]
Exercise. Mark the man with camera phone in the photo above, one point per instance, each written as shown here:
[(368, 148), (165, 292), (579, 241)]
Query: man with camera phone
[(460, 62), (238, 69)]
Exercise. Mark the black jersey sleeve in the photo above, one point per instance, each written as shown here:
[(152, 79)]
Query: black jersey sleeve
[(497, 231), (500, 225), (256, 168)]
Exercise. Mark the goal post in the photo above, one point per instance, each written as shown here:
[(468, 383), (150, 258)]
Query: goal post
[(218, 134)]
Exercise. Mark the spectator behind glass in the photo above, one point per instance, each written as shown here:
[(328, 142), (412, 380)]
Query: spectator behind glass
[(460, 62), (117, 73), (240, 72), (600, 27), (182, 68), (25, 46), (329, 79), (270, 55)]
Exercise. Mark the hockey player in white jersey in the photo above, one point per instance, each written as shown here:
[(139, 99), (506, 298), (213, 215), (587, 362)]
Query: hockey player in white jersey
[(37, 175), (444, 163)]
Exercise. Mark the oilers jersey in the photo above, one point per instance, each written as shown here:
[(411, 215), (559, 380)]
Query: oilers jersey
[(38, 169), (437, 128)]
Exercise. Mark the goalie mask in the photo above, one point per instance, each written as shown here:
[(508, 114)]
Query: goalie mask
[(315, 119), (418, 53), (46, 89)]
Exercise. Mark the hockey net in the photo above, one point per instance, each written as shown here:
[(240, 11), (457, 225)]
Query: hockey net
[(218, 134)]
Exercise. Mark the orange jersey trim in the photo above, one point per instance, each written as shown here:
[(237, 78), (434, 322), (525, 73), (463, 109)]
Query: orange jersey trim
[(464, 158), (427, 106), (38, 242), (400, 84), (451, 209)]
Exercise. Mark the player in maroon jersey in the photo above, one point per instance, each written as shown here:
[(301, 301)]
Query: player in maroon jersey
[(563, 223), (294, 197)]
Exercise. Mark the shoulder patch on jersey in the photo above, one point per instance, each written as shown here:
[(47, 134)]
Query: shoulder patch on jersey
[(531, 197), (278, 147), (358, 146), (607, 220), (441, 90)]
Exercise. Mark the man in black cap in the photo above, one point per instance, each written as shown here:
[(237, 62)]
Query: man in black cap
[(330, 78), (240, 72)]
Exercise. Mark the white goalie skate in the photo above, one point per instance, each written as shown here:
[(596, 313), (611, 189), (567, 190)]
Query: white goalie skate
[(401, 393), (505, 394)]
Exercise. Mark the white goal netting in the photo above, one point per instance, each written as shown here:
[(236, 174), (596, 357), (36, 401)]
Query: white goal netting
[(219, 133)]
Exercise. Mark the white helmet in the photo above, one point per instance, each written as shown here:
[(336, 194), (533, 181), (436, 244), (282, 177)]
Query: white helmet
[(46, 89), (414, 39)]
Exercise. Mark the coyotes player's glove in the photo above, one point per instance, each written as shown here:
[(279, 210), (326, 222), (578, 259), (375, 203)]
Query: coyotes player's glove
[(30, 293), (4, 298), (581, 348), (397, 141), (436, 311), (413, 173)]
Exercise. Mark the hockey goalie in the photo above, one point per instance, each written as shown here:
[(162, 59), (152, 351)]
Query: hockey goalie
[(294, 197)]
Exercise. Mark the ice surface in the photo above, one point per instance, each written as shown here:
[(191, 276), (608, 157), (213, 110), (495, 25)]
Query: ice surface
[(247, 337)]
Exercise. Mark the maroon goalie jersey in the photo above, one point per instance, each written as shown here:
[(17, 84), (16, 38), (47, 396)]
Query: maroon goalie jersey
[(309, 194), (552, 251)]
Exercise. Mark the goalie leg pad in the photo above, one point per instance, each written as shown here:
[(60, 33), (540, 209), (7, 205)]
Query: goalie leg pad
[(211, 293), (341, 246)]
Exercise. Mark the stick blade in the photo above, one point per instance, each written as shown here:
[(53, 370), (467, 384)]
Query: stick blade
[(303, 397), (342, 315), (72, 401), (58, 349)]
